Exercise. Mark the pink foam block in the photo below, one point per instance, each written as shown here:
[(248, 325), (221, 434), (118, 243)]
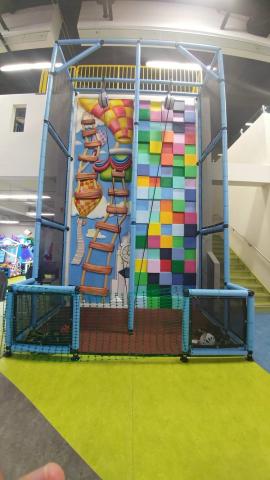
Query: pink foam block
[(190, 183), (179, 138), (191, 218), (154, 241), (190, 266), (178, 149), (167, 116), (155, 116), (153, 266)]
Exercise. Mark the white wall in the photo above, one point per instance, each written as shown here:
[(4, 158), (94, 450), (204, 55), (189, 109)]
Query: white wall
[(250, 200), (19, 151)]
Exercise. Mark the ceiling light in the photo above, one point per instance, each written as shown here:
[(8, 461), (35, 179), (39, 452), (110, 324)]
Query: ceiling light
[(33, 214), (24, 196), (9, 222), (248, 124), (19, 67), (173, 65)]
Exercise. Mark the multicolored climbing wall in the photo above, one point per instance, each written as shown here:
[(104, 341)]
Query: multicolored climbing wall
[(166, 204)]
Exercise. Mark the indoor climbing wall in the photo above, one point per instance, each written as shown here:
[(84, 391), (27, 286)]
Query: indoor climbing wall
[(166, 204)]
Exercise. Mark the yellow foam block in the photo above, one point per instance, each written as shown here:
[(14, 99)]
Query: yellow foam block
[(166, 218), (155, 106), (154, 229), (166, 241), (190, 159), (143, 181), (155, 147), (140, 265)]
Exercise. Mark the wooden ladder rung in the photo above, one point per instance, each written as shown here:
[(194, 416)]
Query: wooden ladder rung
[(117, 174), (100, 291), (90, 267), (89, 132), (95, 143), (88, 194), (118, 192), (109, 227), (88, 121), (114, 209), (87, 158), (86, 176), (104, 247)]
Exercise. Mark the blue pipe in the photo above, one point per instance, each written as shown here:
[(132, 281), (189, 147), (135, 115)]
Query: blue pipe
[(212, 229), (210, 147), (64, 60), (204, 292), (194, 59), (250, 322), (49, 223), (222, 93), (32, 289), (76, 322), (131, 306), (218, 352), (9, 318), (185, 325), (78, 57), (233, 286), (42, 163), (49, 349)]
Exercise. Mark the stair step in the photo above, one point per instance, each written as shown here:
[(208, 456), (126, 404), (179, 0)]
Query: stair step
[(86, 176), (99, 291), (87, 158), (118, 192), (104, 247), (114, 209), (94, 144), (117, 174), (89, 132), (104, 269), (95, 193), (88, 121), (109, 227)]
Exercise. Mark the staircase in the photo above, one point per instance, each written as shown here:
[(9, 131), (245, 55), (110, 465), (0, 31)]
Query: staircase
[(241, 275)]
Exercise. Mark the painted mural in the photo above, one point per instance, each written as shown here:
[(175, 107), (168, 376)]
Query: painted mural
[(166, 202)]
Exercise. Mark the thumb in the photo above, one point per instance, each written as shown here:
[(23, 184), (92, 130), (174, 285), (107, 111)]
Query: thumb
[(51, 471)]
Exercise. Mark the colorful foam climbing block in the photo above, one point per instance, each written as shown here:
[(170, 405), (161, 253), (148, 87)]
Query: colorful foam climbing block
[(141, 241), (142, 181), (155, 136), (154, 182), (178, 230), (167, 159), (154, 170), (155, 146), (179, 128), (178, 242), (141, 278), (166, 172), (154, 229), (190, 195), (153, 278), (167, 148), (177, 266), (154, 217), (179, 106), (178, 117), (178, 193), (189, 242), (190, 254), (143, 205), (166, 217), (190, 266), (143, 148), (153, 266), (178, 148), (144, 136), (189, 279), (155, 206), (190, 159), (142, 216), (165, 253), (143, 158), (166, 182), (154, 193), (167, 193), (178, 171), (189, 116), (179, 138), (165, 265), (144, 114), (190, 171), (178, 205), (190, 183), (178, 182), (190, 150), (154, 242), (166, 241), (153, 253), (140, 265), (142, 192), (141, 229), (190, 230), (154, 159), (168, 137), (166, 115), (178, 160), (166, 206), (143, 170), (190, 207), (177, 279), (177, 254), (166, 229), (190, 138), (155, 116), (191, 217), (145, 104), (165, 278)]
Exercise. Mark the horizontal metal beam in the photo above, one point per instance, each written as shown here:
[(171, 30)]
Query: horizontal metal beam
[(197, 292)]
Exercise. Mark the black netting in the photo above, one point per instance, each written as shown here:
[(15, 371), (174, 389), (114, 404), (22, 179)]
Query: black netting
[(210, 109), (55, 181), (218, 322), (212, 191), (42, 319), (61, 104), (51, 255), (213, 261)]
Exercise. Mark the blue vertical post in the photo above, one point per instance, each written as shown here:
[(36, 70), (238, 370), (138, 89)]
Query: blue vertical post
[(250, 322), (131, 306), (200, 187), (76, 325), (185, 324), (222, 93), (9, 319), (64, 261), (42, 164)]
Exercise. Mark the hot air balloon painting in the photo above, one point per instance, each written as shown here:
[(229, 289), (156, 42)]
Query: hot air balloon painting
[(104, 170)]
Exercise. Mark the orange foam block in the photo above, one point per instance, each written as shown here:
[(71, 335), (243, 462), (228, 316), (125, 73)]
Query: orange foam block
[(166, 205), (167, 159)]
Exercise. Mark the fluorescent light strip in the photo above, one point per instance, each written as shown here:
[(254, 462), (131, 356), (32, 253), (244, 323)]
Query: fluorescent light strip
[(9, 222), (173, 65), (33, 214), (27, 196), (19, 67)]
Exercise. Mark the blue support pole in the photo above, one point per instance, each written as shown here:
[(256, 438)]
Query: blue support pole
[(250, 322), (212, 229), (222, 93), (185, 325), (205, 292), (42, 165), (9, 318), (189, 56), (31, 289), (131, 306), (76, 323), (50, 223), (218, 352), (79, 57), (200, 211)]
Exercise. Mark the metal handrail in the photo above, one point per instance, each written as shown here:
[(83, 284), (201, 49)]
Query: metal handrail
[(249, 244)]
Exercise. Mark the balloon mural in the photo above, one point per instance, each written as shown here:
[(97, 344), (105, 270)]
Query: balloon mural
[(107, 163)]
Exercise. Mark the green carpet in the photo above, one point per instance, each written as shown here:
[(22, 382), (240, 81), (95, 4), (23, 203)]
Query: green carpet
[(156, 419)]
